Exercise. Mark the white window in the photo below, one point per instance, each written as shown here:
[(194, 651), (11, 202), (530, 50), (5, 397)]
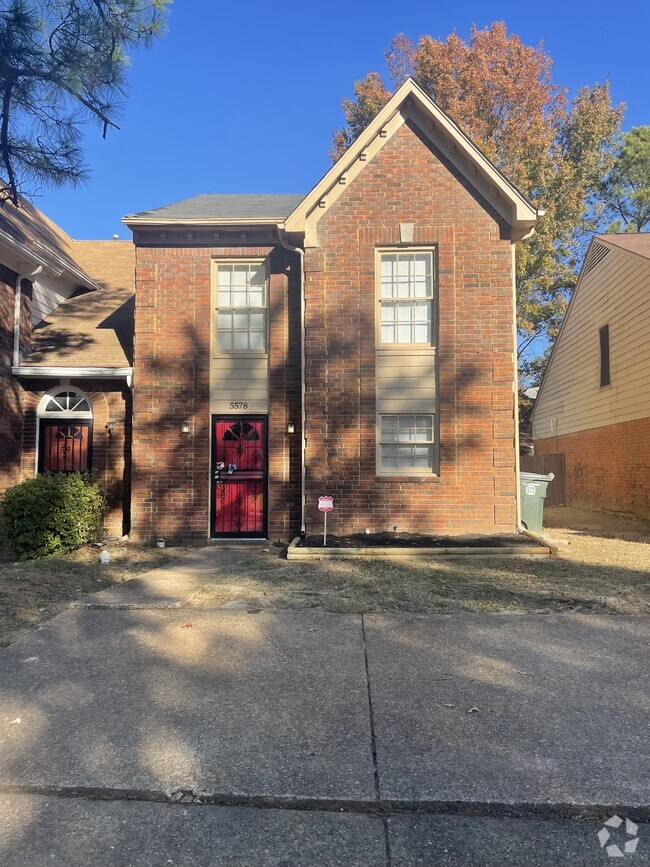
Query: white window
[(406, 297), (406, 442), (241, 302)]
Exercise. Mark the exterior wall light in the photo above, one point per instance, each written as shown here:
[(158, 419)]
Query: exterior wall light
[(110, 427), (185, 427), (291, 428)]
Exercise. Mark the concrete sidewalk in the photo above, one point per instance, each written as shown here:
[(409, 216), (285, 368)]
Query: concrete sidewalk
[(487, 715)]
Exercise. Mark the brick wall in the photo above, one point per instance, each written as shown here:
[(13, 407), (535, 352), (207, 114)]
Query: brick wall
[(11, 416), (606, 467), (475, 492), (171, 473), (111, 453)]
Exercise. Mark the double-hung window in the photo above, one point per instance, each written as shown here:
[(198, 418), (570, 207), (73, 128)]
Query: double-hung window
[(241, 302), (406, 442), (406, 297)]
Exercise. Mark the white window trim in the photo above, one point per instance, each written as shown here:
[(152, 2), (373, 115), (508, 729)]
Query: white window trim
[(430, 249), (253, 260)]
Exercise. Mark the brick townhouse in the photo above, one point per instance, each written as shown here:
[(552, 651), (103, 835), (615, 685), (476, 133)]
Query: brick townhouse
[(66, 341), (357, 342)]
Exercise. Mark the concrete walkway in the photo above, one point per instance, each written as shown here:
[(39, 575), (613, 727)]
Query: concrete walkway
[(154, 735)]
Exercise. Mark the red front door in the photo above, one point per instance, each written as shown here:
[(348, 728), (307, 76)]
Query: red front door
[(64, 446), (239, 476)]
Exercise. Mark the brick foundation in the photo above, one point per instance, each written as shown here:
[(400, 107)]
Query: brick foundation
[(606, 467)]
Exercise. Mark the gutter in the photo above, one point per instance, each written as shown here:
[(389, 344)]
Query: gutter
[(17, 297), (303, 440), (519, 527), (76, 372)]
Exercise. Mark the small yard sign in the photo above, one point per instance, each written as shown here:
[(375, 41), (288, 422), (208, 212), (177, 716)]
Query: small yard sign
[(325, 505)]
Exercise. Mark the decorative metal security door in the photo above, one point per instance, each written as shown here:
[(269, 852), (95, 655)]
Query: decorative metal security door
[(64, 446), (239, 465)]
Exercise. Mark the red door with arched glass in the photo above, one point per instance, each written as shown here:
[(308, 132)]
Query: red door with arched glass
[(239, 462)]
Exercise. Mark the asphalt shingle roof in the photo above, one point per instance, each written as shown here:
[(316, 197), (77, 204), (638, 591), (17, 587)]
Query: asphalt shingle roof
[(635, 242), (92, 329), (225, 206)]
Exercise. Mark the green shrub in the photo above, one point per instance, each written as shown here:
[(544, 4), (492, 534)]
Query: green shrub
[(50, 514)]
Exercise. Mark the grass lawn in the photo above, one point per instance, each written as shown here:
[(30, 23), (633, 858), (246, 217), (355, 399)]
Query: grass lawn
[(603, 567), (36, 590)]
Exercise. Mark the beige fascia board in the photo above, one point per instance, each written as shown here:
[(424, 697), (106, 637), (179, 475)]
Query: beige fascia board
[(521, 214)]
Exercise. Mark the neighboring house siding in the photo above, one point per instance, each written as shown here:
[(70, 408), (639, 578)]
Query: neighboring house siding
[(48, 295), (607, 467), (408, 181), (616, 292)]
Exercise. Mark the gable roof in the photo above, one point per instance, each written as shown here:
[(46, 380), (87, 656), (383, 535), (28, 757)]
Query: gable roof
[(410, 102), (293, 212), (92, 329), (211, 208), (633, 242)]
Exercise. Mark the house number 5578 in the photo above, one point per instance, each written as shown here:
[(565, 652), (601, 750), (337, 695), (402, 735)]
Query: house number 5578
[(238, 404)]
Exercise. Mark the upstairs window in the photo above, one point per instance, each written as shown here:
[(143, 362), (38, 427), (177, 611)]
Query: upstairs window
[(241, 303), (603, 335), (406, 297)]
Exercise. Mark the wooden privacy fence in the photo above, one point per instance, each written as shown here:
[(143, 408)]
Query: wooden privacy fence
[(545, 464)]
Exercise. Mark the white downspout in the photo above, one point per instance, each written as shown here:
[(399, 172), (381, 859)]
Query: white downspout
[(303, 440), (519, 525), (17, 297)]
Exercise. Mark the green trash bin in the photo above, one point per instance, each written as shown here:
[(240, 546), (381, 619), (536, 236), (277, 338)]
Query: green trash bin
[(532, 488)]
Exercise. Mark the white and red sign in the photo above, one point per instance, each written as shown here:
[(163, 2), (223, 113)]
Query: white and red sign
[(325, 504)]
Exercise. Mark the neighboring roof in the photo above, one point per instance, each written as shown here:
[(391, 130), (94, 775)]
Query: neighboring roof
[(411, 102), (39, 237), (92, 329), (220, 208), (638, 242)]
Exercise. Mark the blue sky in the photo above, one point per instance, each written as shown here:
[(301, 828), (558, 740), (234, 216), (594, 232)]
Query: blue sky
[(244, 97)]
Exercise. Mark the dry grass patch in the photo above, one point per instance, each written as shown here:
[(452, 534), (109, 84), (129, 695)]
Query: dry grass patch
[(603, 567), (384, 585), (36, 590)]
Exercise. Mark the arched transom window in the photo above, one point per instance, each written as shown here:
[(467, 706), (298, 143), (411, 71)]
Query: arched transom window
[(65, 432), (65, 403)]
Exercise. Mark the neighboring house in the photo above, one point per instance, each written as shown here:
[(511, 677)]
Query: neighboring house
[(66, 336), (594, 402), (357, 342)]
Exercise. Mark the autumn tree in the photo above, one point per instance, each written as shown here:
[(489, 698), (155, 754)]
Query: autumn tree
[(63, 62), (627, 189), (556, 150)]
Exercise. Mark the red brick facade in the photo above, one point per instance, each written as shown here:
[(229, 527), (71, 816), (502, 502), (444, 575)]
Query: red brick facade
[(475, 492), (606, 467), (171, 471)]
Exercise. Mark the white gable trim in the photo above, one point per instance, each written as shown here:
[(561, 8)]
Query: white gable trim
[(410, 102)]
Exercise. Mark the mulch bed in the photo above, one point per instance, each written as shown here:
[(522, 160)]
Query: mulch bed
[(415, 540)]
